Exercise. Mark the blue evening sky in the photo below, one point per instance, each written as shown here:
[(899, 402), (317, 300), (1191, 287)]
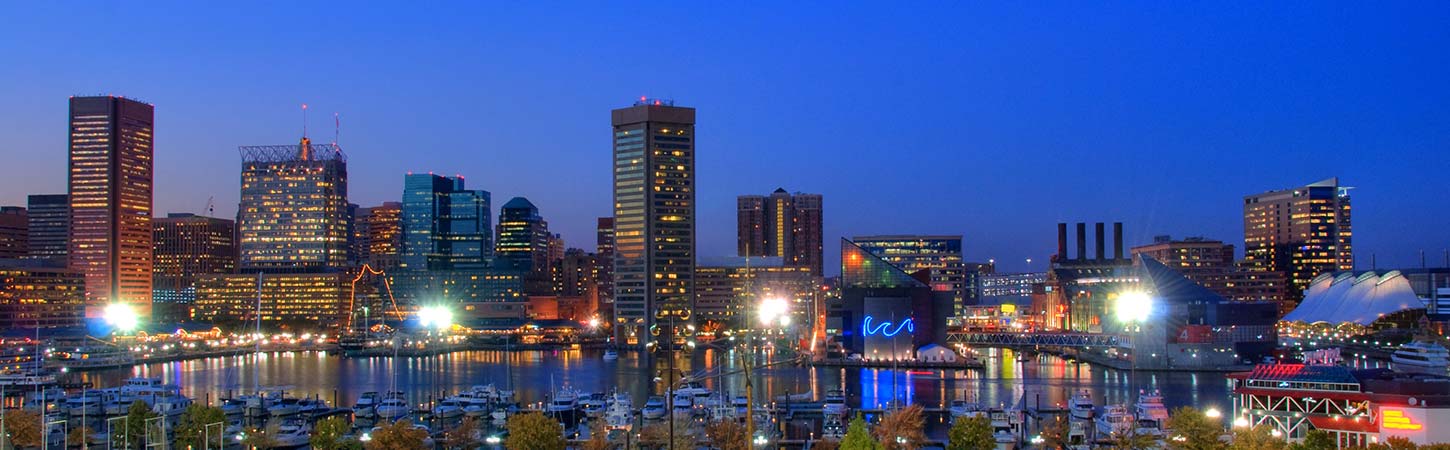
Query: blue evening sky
[(991, 120)]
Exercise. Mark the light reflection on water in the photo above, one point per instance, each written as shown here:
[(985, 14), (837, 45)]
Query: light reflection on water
[(1044, 380)]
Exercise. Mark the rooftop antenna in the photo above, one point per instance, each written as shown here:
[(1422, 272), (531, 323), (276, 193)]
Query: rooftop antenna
[(304, 120), (336, 127)]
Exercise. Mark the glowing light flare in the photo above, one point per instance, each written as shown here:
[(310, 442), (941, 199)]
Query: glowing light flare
[(1133, 307), (773, 310), (122, 316), (1395, 419), (437, 317)]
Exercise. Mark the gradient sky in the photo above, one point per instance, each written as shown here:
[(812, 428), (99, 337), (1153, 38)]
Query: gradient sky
[(990, 121)]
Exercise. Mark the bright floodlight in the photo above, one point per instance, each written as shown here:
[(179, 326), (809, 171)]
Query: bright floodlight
[(438, 317), (1213, 413), (1134, 307), (121, 316), (773, 309)]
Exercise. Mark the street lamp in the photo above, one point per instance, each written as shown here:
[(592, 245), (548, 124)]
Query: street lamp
[(1213, 413), (122, 316), (436, 317), (773, 310), (1133, 306)]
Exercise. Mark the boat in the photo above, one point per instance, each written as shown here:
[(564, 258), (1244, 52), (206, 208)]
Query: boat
[(741, 405), (654, 408), (1006, 427), (366, 404), (89, 358), (87, 403), (1115, 421), (1077, 434), (27, 378), (593, 404), (393, 406), (1081, 405), (835, 404), (684, 404), (292, 433), (563, 400), (1420, 356), (1151, 414), (794, 398), (170, 405), (833, 428), (619, 415), (448, 409), (962, 408), (611, 355)]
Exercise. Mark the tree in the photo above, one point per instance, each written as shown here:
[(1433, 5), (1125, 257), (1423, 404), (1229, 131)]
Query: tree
[(971, 433), (24, 428), (1131, 441), (727, 434), (902, 429), (534, 431), (191, 426), (1315, 440), (330, 434), (1194, 431), (1257, 438), (255, 438), (1054, 434), (657, 436), (1395, 443), (826, 444), (462, 437), (598, 437), (134, 434), (80, 437), (857, 437), (400, 435)]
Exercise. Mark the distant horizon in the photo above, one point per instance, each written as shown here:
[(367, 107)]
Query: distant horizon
[(990, 122)]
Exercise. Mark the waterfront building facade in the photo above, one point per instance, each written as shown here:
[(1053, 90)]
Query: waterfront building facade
[(294, 212), (1300, 232), (379, 235), (110, 187), (40, 293), (727, 288), (940, 254), (14, 232), (884, 312), (445, 226), (187, 246), (49, 226), (523, 236)]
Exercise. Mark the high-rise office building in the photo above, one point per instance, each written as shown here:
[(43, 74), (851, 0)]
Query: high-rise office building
[(445, 226), (187, 246), (40, 294), (578, 274), (110, 200), (781, 224), (14, 232), (654, 218), (940, 254), (725, 289), (523, 236), (294, 210), (1300, 232), (49, 228), (604, 249), (379, 238)]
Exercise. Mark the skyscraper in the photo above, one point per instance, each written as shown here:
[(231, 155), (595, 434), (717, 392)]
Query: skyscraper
[(49, 216), (654, 214), (294, 214), (445, 226), (380, 235), (523, 236), (187, 246), (110, 200), (1301, 232), (14, 232), (781, 224), (40, 294), (604, 243)]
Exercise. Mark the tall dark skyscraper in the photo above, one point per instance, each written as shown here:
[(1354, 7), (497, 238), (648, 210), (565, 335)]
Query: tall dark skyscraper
[(14, 232), (49, 217), (378, 235), (110, 200), (523, 236), (654, 218), (294, 214), (1300, 232), (604, 243), (781, 224), (445, 226)]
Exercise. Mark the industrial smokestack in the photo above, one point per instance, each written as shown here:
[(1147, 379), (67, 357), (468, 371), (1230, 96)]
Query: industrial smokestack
[(1082, 241), (1118, 240), (1062, 241), (1101, 241)]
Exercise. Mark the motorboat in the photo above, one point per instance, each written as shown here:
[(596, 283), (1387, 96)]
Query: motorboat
[(88, 403), (835, 403), (1420, 356), (1151, 414), (1115, 421), (654, 408), (1081, 405), (741, 404), (292, 433), (27, 378), (611, 355), (448, 409), (833, 428), (366, 405), (170, 406), (1006, 427), (563, 400), (683, 404), (392, 408), (962, 408), (593, 404), (619, 415)]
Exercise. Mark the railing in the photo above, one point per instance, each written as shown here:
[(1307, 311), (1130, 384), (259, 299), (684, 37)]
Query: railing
[(1032, 339)]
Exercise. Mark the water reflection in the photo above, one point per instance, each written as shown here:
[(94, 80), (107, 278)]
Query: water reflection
[(1036, 380)]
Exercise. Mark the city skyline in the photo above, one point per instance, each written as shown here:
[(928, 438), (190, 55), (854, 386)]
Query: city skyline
[(1273, 128)]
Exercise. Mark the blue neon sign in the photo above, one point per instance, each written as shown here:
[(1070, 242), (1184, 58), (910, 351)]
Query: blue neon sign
[(882, 328)]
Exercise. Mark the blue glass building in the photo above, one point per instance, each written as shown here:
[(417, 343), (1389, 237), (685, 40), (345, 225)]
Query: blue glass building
[(444, 225)]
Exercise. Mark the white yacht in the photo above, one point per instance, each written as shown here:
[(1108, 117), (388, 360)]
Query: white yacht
[(28, 378), (654, 408), (448, 409), (292, 433), (1115, 421), (366, 404), (593, 404), (393, 406), (1151, 414), (1421, 356), (563, 400), (963, 408), (741, 405), (1006, 427), (684, 403), (88, 403), (835, 404), (620, 414), (1081, 405)]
